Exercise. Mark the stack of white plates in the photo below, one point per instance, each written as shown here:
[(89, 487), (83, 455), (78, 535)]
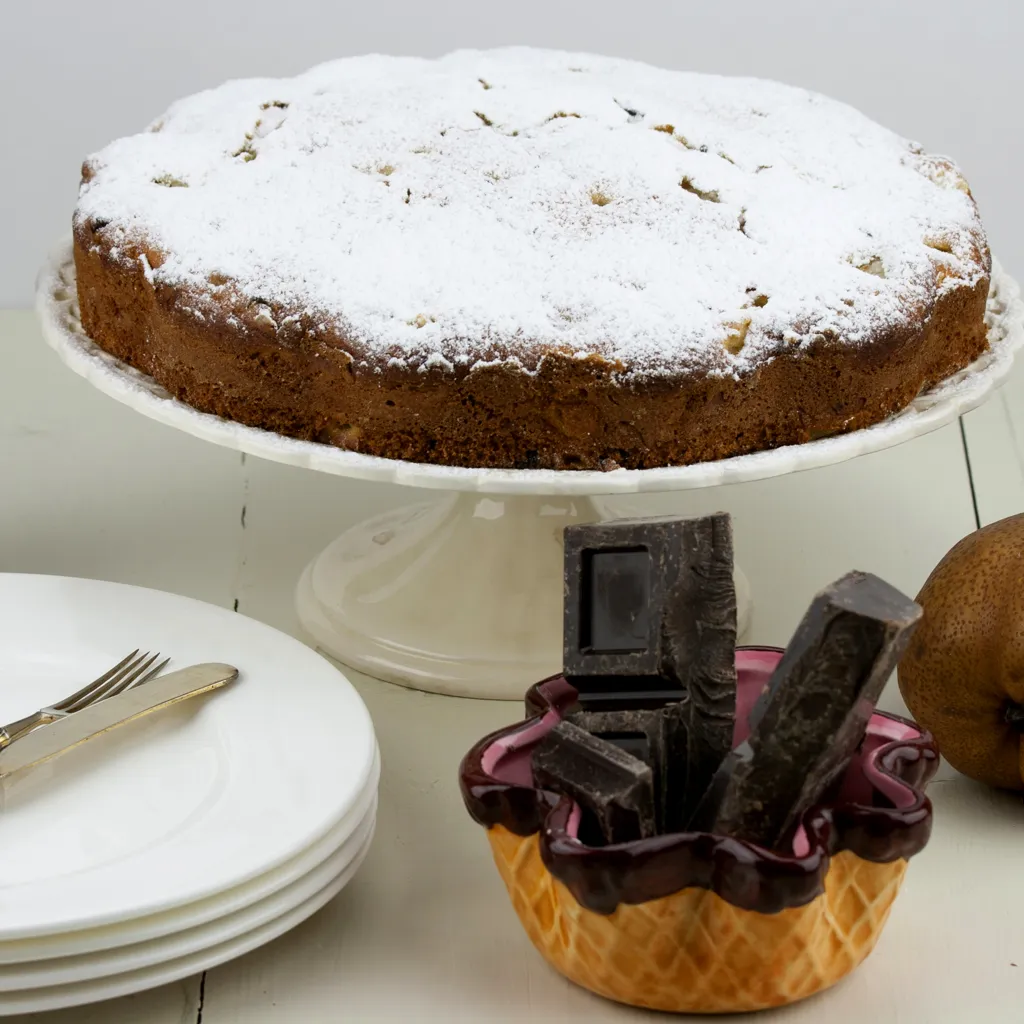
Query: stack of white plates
[(184, 839)]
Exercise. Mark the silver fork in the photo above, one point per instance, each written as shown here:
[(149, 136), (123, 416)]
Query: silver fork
[(131, 671)]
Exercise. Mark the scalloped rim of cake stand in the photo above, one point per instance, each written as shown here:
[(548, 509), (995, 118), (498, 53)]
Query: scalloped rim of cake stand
[(56, 302)]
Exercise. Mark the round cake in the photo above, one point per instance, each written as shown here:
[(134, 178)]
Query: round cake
[(531, 259)]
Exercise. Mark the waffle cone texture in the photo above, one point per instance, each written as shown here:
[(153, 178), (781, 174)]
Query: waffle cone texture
[(692, 952), (698, 922)]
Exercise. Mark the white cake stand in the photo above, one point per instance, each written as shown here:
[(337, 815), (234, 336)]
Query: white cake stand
[(463, 596)]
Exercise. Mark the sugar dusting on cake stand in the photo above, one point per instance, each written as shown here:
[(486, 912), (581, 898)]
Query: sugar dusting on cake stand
[(464, 596)]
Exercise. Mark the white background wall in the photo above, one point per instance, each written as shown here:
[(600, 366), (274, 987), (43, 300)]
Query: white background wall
[(76, 73)]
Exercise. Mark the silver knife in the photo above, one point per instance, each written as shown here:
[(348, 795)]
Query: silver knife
[(50, 740)]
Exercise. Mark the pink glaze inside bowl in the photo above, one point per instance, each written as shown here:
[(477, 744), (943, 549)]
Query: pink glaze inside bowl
[(507, 759)]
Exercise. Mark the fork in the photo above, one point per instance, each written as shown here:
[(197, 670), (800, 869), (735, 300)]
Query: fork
[(131, 671)]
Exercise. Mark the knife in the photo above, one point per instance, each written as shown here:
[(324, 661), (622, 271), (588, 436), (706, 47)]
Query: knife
[(50, 740)]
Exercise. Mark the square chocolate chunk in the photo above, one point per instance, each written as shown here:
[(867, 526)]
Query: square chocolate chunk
[(613, 785)]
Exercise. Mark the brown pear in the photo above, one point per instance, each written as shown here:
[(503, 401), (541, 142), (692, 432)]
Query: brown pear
[(963, 673)]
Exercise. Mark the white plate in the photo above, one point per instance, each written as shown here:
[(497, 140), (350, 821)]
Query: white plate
[(154, 926), (35, 1000), (186, 803), (75, 969), (58, 309)]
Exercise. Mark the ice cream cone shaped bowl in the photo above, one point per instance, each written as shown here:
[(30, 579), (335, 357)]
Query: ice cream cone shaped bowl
[(694, 922)]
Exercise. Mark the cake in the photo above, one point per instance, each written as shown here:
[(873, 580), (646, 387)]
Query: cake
[(531, 259)]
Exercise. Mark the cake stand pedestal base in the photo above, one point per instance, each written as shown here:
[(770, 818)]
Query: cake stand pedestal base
[(461, 596)]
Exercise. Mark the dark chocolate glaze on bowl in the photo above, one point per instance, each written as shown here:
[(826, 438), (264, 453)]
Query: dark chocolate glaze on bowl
[(745, 875)]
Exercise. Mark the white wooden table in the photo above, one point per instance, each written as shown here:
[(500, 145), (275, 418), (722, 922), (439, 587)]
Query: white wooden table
[(425, 932)]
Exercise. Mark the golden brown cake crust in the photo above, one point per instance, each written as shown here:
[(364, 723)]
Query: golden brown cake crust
[(570, 414)]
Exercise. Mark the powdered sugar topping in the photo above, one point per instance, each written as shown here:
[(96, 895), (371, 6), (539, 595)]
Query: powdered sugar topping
[(490, 206)]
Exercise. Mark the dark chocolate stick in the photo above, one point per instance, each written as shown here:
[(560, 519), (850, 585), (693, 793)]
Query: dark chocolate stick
[(676, 790), (809, 723), (702, 650), (617, 788), (703, 818)]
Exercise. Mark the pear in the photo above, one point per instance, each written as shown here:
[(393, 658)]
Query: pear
[(962, 676)]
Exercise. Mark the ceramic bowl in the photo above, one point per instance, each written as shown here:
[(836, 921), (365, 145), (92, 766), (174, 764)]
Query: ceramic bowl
[(694, 922)]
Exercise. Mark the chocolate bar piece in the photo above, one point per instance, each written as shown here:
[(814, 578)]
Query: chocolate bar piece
[(810, 721), (616, 787), (628, 692), (657, 737), (650, 619), (681, 783), (638, 731), (704, 816)]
